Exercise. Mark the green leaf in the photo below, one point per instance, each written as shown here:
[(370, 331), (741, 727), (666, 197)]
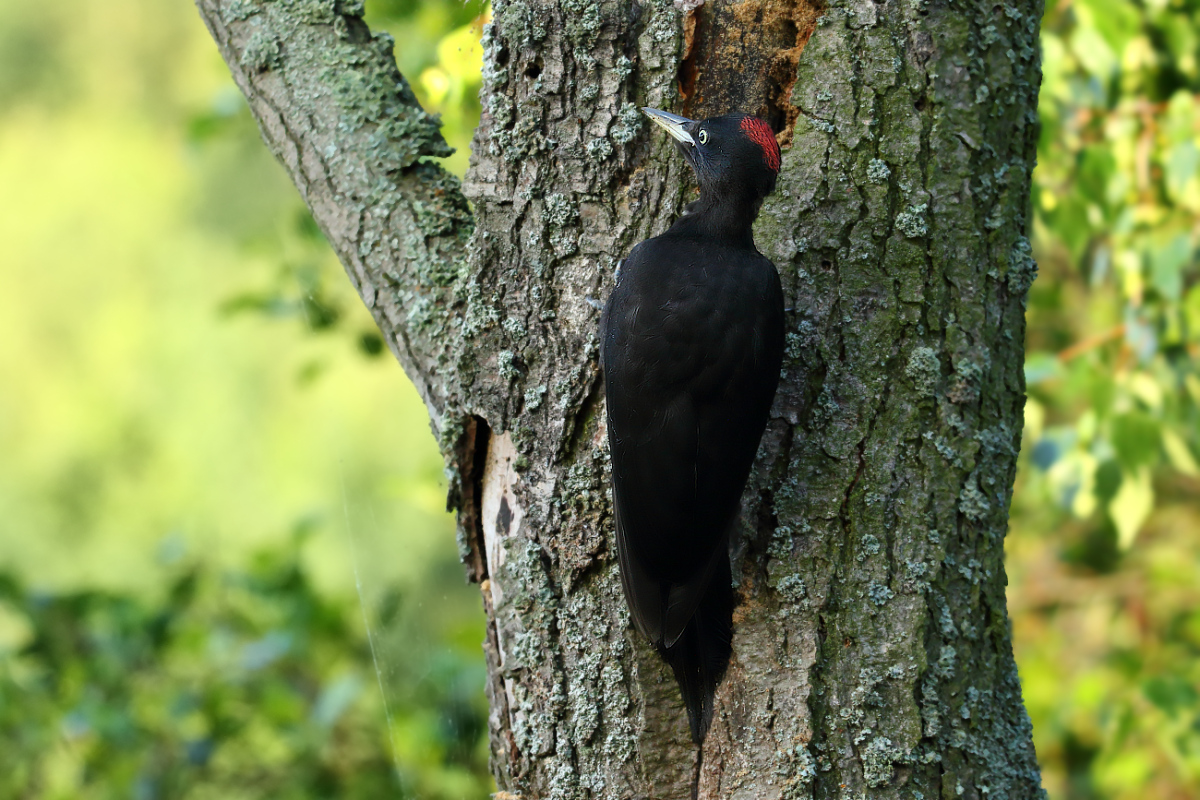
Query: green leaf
[(1180, 117), (1131, 506), (1179, 33), (1069, 222), (1167, 263), (1041, 367), (1117, 21), (1191, 311), (1054, 82), (1182, 160), (1171, 693), (1094, 53), (1101, 389), (1136, 439), (1108, 480), (1096, 169), (1179, 454)]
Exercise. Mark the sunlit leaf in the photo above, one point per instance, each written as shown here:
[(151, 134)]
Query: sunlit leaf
[(1182, 160), (1166, 265), (1053, 56), (1125, 770), (1131, 505), (1082, 495), (1094, 53), (1129, 264), (436, 84), (1117, 21), (1179, 33), (1179, 454), (1180, 117), (1144, 386), (460, 53), (1035, 418), (1191, 308)]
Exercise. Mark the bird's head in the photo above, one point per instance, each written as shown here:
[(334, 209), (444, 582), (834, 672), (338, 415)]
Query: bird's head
[(733, 156)]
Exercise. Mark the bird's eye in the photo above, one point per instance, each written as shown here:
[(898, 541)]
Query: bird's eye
[(703, 137)]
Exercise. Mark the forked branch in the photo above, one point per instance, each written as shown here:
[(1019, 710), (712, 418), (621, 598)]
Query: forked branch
[(342, 120)]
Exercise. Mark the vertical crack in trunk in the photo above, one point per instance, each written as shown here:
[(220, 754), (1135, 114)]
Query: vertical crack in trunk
[(471, 455)]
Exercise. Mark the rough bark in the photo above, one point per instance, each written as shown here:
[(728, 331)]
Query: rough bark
[(872, 653)]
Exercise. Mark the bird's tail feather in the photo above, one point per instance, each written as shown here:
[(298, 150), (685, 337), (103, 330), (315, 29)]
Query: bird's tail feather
[(699, 657)]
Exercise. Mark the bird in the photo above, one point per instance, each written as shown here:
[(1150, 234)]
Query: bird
[(691, 345)]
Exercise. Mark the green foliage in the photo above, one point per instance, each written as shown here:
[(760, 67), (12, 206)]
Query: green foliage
[(438, 50), (244, 683), (1106, 518), (186, 376), (1112, 339)]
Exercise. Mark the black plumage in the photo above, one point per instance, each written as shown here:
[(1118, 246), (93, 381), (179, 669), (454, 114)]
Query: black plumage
[(691, 346)]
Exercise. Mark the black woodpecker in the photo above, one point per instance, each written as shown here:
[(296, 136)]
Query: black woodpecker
[(691, 346)]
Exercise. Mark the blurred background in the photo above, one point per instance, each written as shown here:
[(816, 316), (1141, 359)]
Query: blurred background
[(220, 502)]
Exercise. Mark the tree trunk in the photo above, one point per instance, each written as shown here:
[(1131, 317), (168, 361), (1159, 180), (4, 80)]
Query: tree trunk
[(871, 646)]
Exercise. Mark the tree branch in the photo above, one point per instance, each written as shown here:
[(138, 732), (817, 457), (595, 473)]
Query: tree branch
[(343, 121)]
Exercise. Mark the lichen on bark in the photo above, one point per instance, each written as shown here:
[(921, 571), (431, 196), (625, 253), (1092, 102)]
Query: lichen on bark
[(871, 650)]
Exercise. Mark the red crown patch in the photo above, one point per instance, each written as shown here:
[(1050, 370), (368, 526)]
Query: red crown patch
[(761, 134)]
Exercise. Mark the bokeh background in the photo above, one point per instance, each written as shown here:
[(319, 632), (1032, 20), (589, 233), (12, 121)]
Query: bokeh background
[(221, 508)]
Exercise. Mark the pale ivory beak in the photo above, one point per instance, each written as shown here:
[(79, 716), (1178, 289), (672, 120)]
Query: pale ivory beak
[(671, 123)]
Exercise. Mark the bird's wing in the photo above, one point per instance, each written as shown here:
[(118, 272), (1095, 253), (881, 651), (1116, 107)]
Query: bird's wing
[(643, 593), (684, 598), (685, 411), (660, 609)]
